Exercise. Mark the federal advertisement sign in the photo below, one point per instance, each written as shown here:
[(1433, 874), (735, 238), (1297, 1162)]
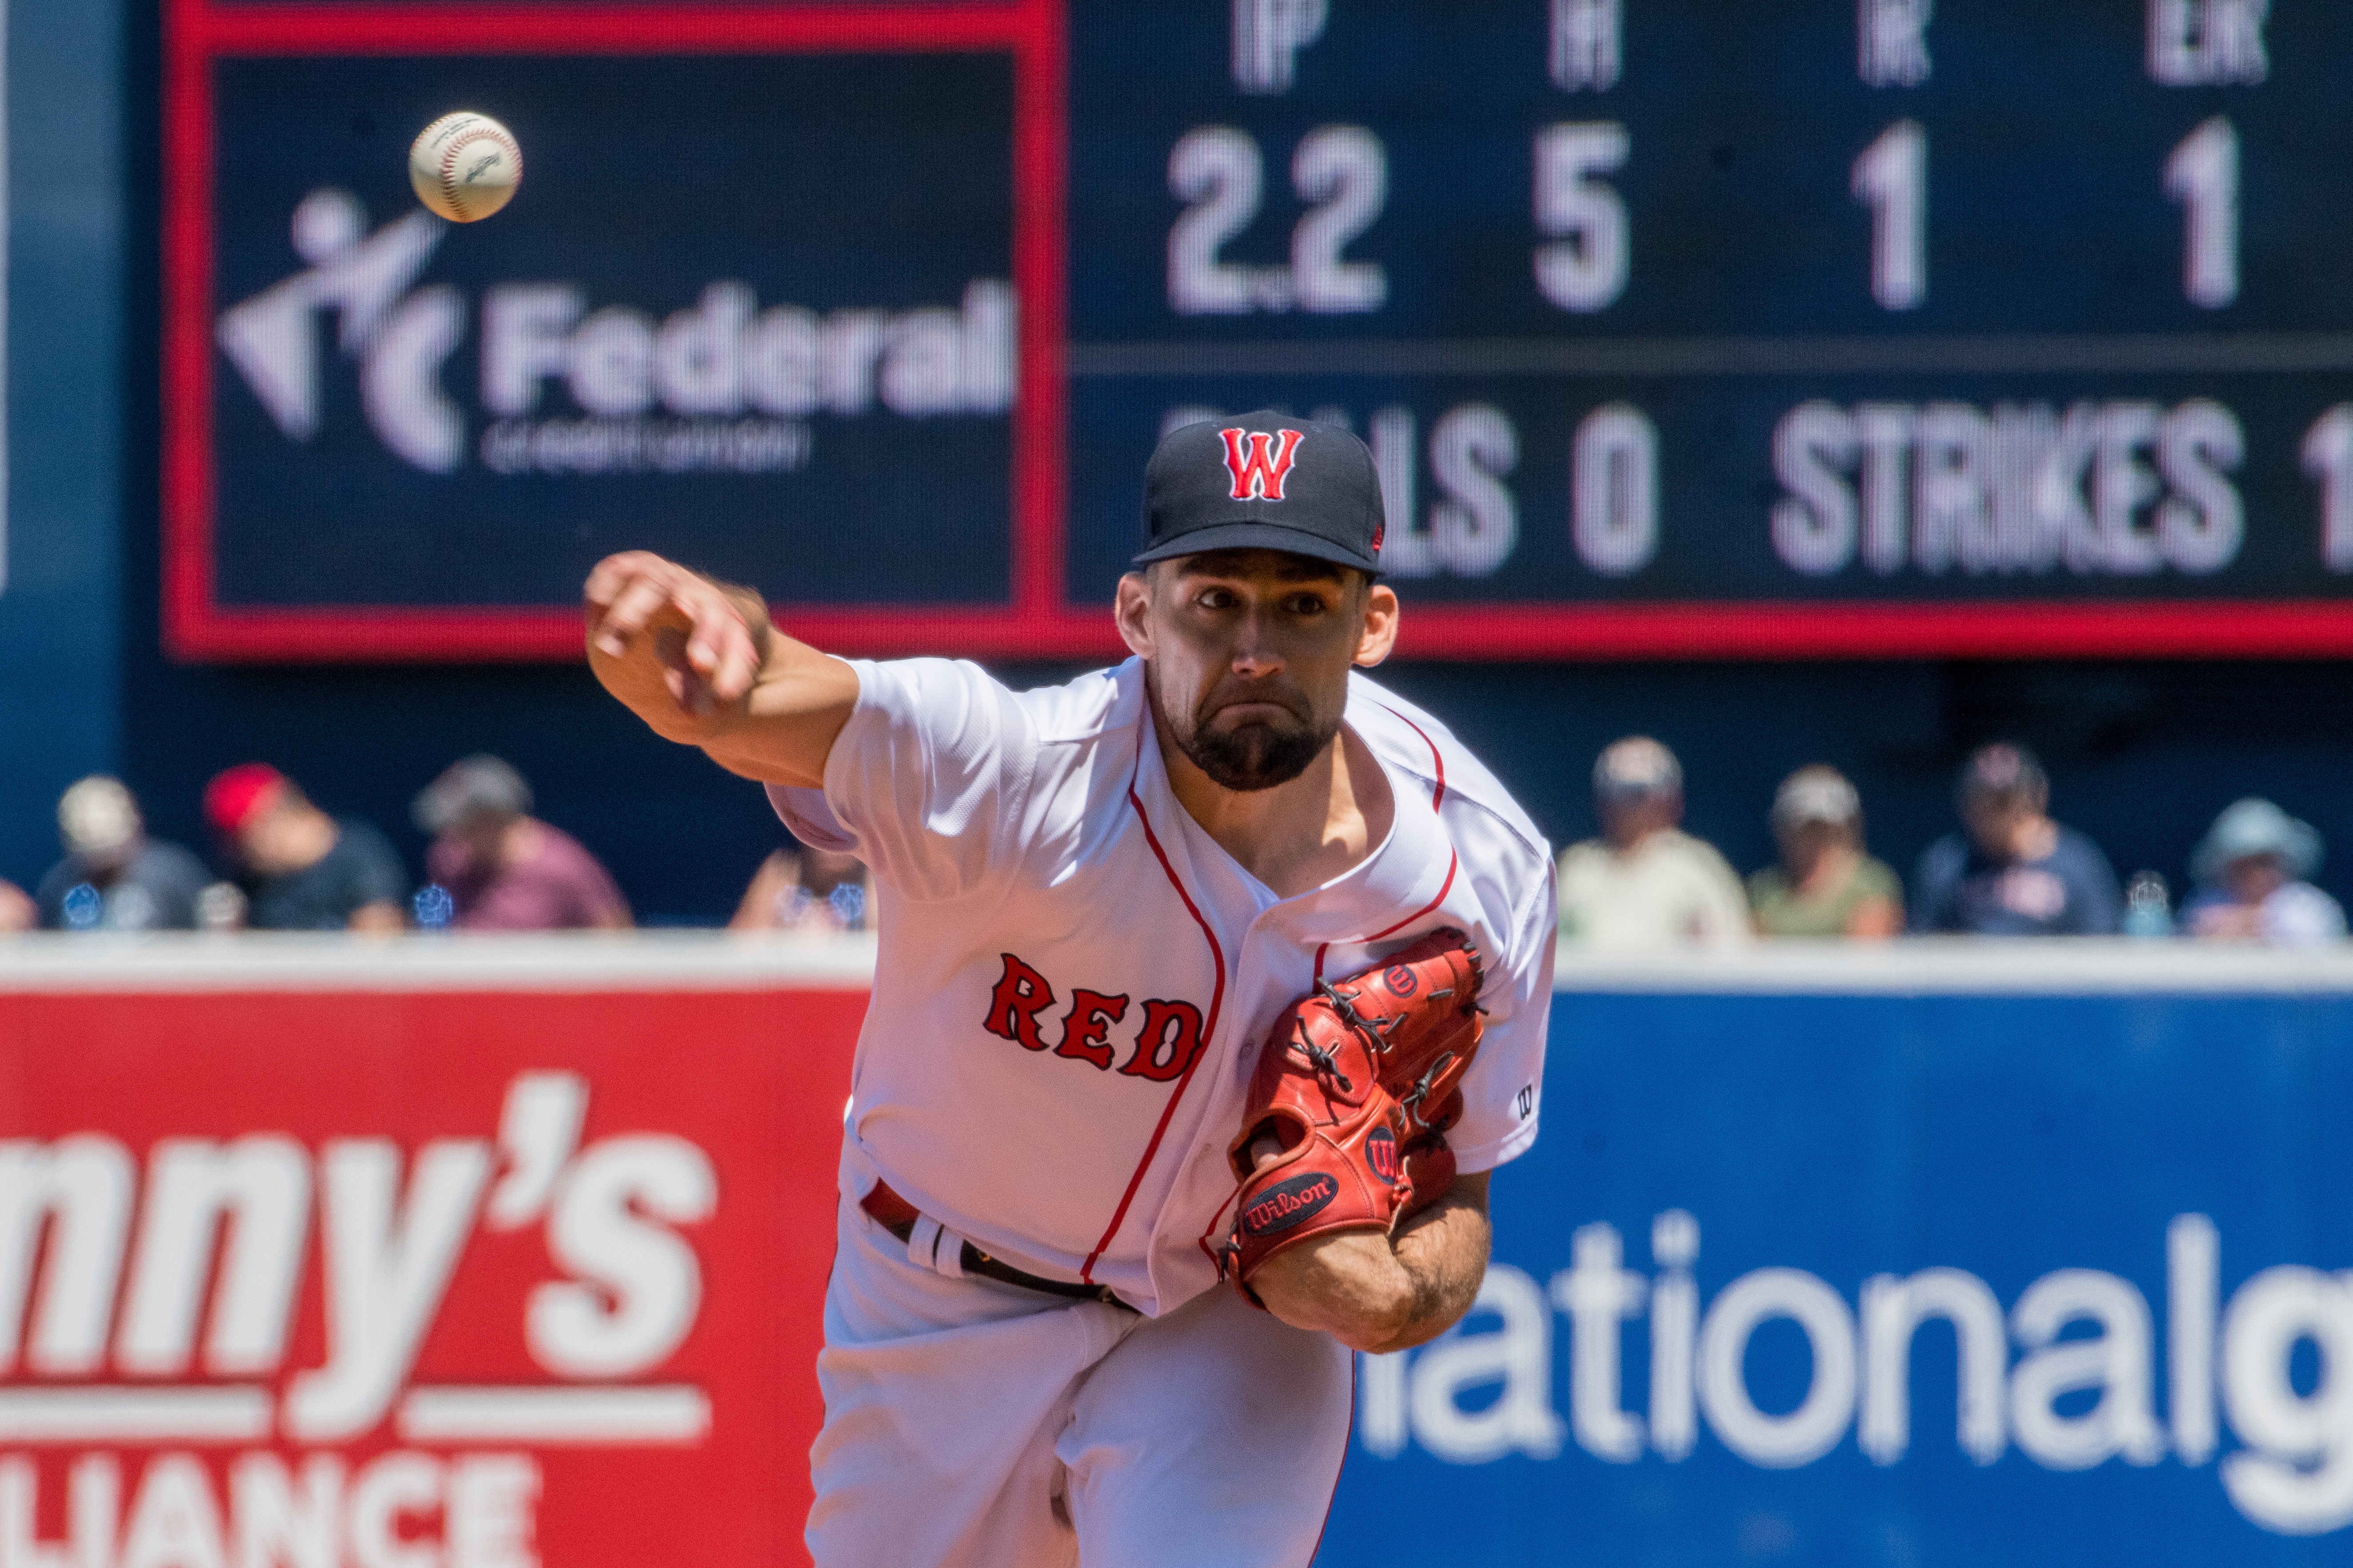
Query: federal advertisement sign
[(773, 300)]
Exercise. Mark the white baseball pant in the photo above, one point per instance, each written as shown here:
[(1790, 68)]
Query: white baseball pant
[(971, 1424)]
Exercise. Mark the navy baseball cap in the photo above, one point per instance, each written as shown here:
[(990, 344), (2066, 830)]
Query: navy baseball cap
[(1264, 481)]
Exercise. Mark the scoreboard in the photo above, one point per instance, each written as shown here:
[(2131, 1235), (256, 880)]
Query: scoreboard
[(1818, 328)]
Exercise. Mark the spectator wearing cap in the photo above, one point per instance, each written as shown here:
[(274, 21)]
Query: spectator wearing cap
[(2013, 871), (2252, 867), (303, 870), (113, 876), (1645, 884), (812, 890), (1825, 884), (503, 868)]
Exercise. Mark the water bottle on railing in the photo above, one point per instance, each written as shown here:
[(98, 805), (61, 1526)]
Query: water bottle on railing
[(2149, 910), (433, 907)]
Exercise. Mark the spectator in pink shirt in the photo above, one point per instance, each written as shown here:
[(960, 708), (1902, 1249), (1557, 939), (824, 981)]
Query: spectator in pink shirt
[(502, 868)]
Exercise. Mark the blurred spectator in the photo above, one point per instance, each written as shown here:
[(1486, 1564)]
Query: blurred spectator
[(2251, 867), (113, 876), (809, 890), (1645, 883), (304, 871), (1825, 884), (2015, 872), (17, 912), (506, 869)]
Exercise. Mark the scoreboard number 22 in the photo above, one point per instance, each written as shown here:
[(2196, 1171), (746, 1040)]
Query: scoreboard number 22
[(1341, 172)]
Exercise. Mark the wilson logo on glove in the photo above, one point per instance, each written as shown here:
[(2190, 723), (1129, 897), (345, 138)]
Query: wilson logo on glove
[(1355, 1087), (1291, 1203)]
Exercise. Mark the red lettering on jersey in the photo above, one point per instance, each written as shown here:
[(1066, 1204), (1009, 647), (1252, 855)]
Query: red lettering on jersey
[(1259, 473), (1014, 1005), (1091, 1014), (1170, 1040)]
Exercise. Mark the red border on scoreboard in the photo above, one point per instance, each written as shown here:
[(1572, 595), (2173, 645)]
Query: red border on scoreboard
[(1039, 621), (197, 625), (1889, 629)]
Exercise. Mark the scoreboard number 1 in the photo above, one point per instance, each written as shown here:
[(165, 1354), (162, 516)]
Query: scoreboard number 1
[(2202, 175), (1891, 178), (2328, 458)]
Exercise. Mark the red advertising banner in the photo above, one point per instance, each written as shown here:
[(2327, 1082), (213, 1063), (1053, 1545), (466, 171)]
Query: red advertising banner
[(416, 1279)]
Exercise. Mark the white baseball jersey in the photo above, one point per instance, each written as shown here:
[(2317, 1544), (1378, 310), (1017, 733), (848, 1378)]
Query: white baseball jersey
[(1074, 979)]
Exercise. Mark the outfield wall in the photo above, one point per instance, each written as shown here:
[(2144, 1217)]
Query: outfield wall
[(1921, 1256), (1962, 1257)]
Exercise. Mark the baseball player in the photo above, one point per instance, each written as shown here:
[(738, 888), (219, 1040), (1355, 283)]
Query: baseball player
[(1225, 962)]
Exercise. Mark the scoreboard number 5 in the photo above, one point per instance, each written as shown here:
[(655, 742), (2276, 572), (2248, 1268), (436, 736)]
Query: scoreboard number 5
[(1584, 269), (1340, 171)]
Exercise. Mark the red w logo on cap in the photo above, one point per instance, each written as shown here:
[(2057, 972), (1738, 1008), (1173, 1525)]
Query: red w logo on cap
[(1261, 469)]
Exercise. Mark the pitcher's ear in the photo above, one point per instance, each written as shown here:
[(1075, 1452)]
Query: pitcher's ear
[(1132, 611), (1379, 637)]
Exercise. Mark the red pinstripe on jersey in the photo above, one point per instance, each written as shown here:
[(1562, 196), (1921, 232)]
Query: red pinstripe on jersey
[(1208, 1027)]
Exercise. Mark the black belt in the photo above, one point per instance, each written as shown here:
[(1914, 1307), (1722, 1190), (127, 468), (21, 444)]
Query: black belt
[(897, 1215)]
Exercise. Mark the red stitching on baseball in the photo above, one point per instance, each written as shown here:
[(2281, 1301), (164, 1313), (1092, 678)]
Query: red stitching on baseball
[(472, 133)]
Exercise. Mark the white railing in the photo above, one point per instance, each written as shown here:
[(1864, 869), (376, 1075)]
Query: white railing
[(599, 961), (645, 961)]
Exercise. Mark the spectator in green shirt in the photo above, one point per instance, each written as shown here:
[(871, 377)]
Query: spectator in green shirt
[(1825, 884)]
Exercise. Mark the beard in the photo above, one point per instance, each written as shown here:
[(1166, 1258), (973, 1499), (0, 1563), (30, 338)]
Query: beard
[(1252, 756)]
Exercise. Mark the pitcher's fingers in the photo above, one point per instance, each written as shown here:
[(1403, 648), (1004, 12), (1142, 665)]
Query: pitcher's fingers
[(627, 615), (718, 626), (608, 577), (738, 664), (710, 625)]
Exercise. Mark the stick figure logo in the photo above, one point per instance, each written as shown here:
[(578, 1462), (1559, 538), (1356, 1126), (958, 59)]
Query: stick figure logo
[(399, 336)]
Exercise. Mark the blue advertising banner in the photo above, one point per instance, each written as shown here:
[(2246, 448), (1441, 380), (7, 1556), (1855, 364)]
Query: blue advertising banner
[(1946, 1274)]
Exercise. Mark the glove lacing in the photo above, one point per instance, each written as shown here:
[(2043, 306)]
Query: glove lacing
[(1411, 1101)]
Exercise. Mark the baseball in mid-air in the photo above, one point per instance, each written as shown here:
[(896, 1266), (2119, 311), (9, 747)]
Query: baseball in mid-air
[(465, 166)]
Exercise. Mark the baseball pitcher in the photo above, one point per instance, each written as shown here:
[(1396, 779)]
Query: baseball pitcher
[(1211, 987)]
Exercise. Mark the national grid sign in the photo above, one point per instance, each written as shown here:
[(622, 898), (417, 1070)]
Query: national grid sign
[(1916, 1279)]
